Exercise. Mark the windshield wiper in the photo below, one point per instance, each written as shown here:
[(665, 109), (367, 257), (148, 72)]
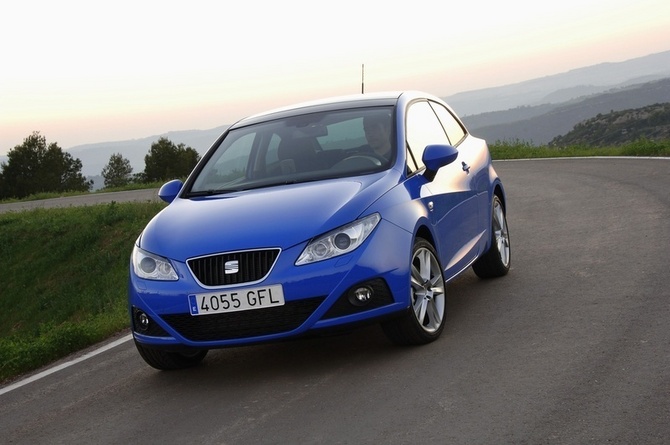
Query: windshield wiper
[(209, 193), (223, 191)]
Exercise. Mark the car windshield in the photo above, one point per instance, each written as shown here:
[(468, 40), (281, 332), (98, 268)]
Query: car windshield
[(299, 149)]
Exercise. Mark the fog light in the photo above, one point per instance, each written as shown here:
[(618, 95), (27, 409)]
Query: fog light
[(360, 296), (142, 321)]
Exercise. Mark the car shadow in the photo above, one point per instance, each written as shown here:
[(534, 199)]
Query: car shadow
[(311, 357), (299, 357)]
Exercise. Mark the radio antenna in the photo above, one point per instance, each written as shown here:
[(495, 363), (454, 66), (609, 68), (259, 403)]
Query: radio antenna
[(363, 78)]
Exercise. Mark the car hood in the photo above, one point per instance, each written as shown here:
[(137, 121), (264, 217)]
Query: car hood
[(281, 216)]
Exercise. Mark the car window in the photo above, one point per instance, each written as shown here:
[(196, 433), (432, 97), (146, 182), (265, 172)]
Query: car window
[(272, 155), (455, 131), (300, 148), (343, 135), (423, 128), (229, 165)]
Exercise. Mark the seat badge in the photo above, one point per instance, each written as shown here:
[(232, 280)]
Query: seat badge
[(232, 267)]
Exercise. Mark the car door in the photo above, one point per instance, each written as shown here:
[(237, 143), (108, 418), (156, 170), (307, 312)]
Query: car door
[(473, 158), (450, 197)]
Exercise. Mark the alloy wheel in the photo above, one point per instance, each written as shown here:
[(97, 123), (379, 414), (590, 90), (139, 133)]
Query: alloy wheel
[(428, 290)]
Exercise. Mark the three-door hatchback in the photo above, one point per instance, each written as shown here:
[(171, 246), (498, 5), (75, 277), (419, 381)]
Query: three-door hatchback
[(317, 217)]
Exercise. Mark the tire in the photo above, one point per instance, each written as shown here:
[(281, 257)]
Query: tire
[(496, 261), (423, 322), (169, 360)]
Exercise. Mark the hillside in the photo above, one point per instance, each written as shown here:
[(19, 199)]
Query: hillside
[(540, 124), (563, 86), (620, 127)]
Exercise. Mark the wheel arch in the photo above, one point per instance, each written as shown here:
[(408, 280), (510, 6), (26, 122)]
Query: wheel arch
[(499, 191), (424, 232)]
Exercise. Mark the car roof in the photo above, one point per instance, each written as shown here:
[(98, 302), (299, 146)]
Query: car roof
[(332, 103)]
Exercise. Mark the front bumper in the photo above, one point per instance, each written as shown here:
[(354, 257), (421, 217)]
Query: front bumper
[(318, 296)]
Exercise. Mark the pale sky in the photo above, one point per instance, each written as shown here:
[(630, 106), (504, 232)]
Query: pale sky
[(83, 72)]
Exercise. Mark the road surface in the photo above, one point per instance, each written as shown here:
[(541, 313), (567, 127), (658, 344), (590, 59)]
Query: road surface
[(82, 200), (572, 347)]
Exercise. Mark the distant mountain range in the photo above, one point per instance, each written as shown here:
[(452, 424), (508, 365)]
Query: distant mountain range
[(535, 111), (563, 87), (540, 124), (538, 110)]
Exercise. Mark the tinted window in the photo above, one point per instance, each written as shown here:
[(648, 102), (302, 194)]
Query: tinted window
[(423, 128), (229, 165), (298, 149), (454, 130)]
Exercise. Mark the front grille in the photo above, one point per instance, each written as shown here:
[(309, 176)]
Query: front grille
[(244, 324), (243, 267)]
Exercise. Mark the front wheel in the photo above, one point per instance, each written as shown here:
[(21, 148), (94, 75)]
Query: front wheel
[(169, 360), (496, 262), (424, 321)]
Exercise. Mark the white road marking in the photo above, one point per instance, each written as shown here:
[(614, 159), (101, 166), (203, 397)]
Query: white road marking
[(67, 364)]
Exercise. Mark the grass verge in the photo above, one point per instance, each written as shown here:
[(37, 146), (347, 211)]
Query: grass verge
[(65, 275), (523, 150)]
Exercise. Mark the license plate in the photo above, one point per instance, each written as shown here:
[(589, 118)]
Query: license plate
[(236, 300)]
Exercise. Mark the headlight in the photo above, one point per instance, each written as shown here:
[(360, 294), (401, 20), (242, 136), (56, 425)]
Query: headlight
[(152, 267), (339, 241)]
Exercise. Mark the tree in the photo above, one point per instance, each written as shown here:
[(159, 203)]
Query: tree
[(117, 172), (168, 161), (35, 167)]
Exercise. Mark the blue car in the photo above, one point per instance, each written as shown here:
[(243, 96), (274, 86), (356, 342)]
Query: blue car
[(317, 217)]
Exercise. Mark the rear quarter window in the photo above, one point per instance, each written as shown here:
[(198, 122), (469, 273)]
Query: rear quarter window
[(454, 129)]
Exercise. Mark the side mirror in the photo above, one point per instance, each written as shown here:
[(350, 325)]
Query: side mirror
[(437, 156), (169, 191)]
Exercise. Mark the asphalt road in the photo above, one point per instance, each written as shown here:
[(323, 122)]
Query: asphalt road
[(82, 200), (572, 347)]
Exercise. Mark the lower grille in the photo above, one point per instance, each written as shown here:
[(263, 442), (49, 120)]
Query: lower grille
[(244, 324)]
